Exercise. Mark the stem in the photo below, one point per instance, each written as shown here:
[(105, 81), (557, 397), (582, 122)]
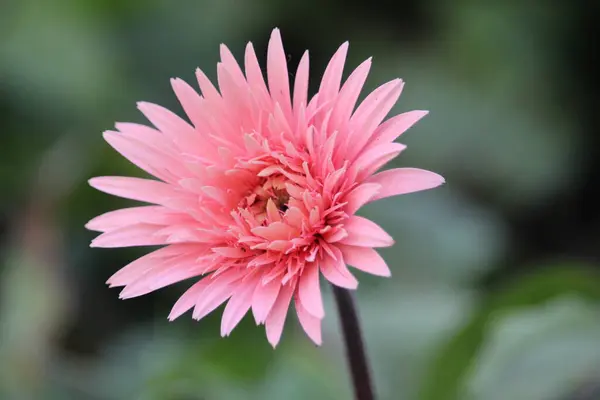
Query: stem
[(355, 350)]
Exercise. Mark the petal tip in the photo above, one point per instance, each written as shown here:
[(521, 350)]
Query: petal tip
[(91, 225)]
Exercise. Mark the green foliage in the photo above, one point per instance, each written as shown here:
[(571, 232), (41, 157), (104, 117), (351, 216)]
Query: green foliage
[(458, 355)]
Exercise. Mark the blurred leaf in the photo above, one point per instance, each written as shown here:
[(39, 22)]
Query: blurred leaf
[(538, 353), (34, 306), (305, 372), (402, 325), (468, 239), (244, 356), (65, 57), (519, 150), (446, 378)]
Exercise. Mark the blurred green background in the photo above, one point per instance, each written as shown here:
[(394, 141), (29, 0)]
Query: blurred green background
[(496, 287)]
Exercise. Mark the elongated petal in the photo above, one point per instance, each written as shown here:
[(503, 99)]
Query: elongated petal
[(188, 299), (155, 215), (330, 84), (232, 66), (133, 235), (209, 92), (396, 126), (145, 190), (365, 233), (310, 323), (254, 75), (263, 299), (217, 292), (366, 259), (237, 306), (138, 268), (361, 195), (349, 94), (277, 72), (141, 155), (164, 275), (373, 101), (375, 158), (404, 180), (309, 291), (170, 124), (301, 84), (276, 319), (216, 295), (336, 272), (375, 110), (191, 102), (150, 136)]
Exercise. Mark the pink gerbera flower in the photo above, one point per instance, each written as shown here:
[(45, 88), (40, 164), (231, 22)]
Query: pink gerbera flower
[(256, 198)]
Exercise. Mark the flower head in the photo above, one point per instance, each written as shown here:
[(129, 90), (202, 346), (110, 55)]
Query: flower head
[(256, 198)]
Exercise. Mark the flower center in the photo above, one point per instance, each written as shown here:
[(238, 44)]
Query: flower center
[(281, 199), (270, 195)]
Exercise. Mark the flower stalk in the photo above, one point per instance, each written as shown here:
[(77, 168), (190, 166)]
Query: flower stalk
[(355, 349)]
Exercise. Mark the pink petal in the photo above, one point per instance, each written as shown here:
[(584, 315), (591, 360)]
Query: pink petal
[(188, 299), (373, 101), (277, 72), (215, 296), (263, 299), (280, 245), (335, 235), (230, 89), (365, 233), (366, 259), (396, 126), (217, 292), (149, 136), (254, 75), (139, 267), (363, 126), (275, 231), (310, 323), (276, 319), (232, 66), (309, 291), (191, 102), (336, 272), (272, 211), (169, 123), (301, 84), (294, 216), (349, 93), (132, 235), (112, 220), (360, 196), (217, 194), (237, 307), (404, 180), (208, 90), (138, 153), (145, 190), (330, 84), (231, 252), (376, 157), (168, 273)]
